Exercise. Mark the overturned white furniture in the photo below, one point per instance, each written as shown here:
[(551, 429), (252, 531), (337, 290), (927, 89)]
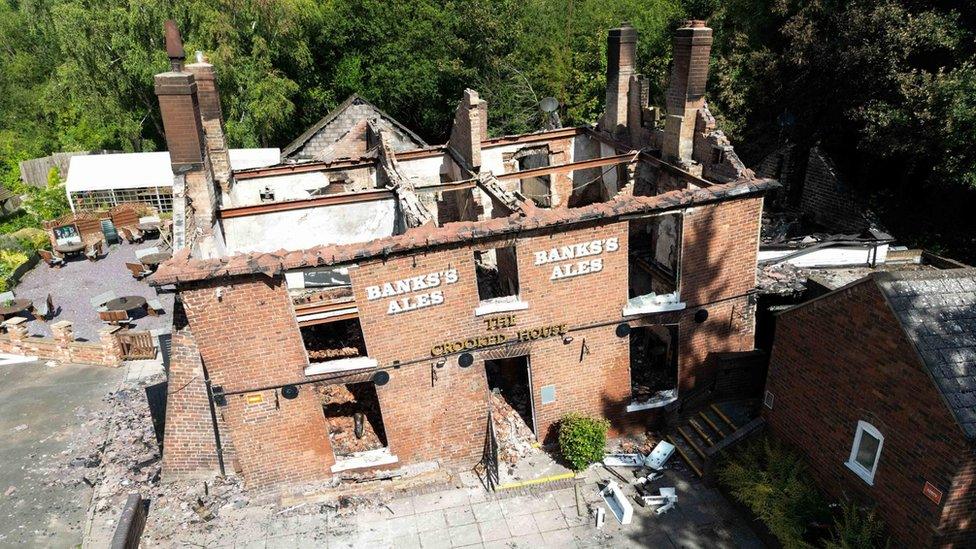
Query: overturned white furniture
[(617, 502), (666, 499), (659, 456), (623, 460)]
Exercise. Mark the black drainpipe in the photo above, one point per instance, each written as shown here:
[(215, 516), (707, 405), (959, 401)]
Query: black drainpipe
[(213, 421)]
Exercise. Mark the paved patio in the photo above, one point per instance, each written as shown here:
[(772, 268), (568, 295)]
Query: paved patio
[(72, 287), (468, 517)]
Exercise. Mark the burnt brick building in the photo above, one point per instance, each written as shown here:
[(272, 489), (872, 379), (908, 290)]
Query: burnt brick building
[(875, 383), (599, 269)]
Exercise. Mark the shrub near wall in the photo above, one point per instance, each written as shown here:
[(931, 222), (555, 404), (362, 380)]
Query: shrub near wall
[(18, 253), (582, 440), (772, 481)]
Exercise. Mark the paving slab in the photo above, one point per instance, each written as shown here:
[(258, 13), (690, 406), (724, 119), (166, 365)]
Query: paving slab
[(494, 530), (435, 539), (465, 535), (550, 520), (521, 525), (459, 516)]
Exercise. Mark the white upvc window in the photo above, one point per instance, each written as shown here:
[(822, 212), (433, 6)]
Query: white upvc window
[(866, 451)]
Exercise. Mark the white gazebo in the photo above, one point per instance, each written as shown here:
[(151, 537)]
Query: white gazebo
[(98, 182)]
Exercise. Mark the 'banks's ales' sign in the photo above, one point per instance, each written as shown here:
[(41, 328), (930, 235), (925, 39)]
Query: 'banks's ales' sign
[(563, 255), (412, 285)]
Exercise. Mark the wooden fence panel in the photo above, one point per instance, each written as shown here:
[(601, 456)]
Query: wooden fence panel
[(137, 345)]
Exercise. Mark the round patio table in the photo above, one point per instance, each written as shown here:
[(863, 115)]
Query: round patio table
[(126, 303), (15, 306), (70, 248), (153, 260)]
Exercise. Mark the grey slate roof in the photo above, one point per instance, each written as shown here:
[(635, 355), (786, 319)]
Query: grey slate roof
[(937, 310)]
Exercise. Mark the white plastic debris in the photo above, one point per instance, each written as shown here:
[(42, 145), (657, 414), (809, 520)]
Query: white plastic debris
[(617, 502)]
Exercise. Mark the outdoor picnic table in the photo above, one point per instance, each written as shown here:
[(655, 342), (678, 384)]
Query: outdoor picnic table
[(153, 260), (70, 248), (126, 303), (14, 307)]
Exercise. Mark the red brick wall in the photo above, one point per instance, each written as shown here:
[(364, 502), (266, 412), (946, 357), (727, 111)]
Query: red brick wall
[(189, 447), (842, 359), (249, 338), (717, 271), (448, 419), (959, 511)]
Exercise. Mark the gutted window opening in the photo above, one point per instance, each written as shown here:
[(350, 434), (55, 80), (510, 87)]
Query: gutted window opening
[(588, 187), (538, 189), (511, 398), (654, 246), (653, 259), (314, 287), (497, 271), (653, 366), (352, 413), (334, 340)]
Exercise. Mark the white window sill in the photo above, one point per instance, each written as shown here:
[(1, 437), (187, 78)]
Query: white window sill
[(360, 460), (340, 365), (660, 400), (653, 303), (494, 306), (865, 475)]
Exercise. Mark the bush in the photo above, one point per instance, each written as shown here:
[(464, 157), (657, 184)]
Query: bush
[(16, 221), (9, 261), (857, 528), (33, 239), (772, 481), (582, 440)]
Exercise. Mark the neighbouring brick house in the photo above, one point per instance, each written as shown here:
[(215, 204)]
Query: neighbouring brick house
[(875, 383), (601, 269)]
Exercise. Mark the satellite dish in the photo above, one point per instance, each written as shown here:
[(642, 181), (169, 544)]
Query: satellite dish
[(549, 104), (289, 391)]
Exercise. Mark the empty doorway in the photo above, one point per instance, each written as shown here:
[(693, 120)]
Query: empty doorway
[(511, 393)]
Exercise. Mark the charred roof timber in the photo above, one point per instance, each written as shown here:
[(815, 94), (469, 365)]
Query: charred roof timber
[(376, 186)]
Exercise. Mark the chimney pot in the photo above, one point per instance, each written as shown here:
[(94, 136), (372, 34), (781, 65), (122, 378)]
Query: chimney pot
[(174, 45)]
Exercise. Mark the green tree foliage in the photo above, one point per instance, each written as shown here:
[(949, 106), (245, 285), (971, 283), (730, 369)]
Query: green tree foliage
[(887, 87), (582, 440), (51, 202)]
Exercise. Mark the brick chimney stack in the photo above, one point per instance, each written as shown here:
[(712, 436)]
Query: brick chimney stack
[(470, 128), (621, 55), (194, 199), (213, 119), (686, 90)]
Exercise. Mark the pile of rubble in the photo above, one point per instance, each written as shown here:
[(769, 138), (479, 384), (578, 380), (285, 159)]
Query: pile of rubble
[(122, 455), (515, 437), (781, 279), (343, 409), (315, 355), (643, 443)]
